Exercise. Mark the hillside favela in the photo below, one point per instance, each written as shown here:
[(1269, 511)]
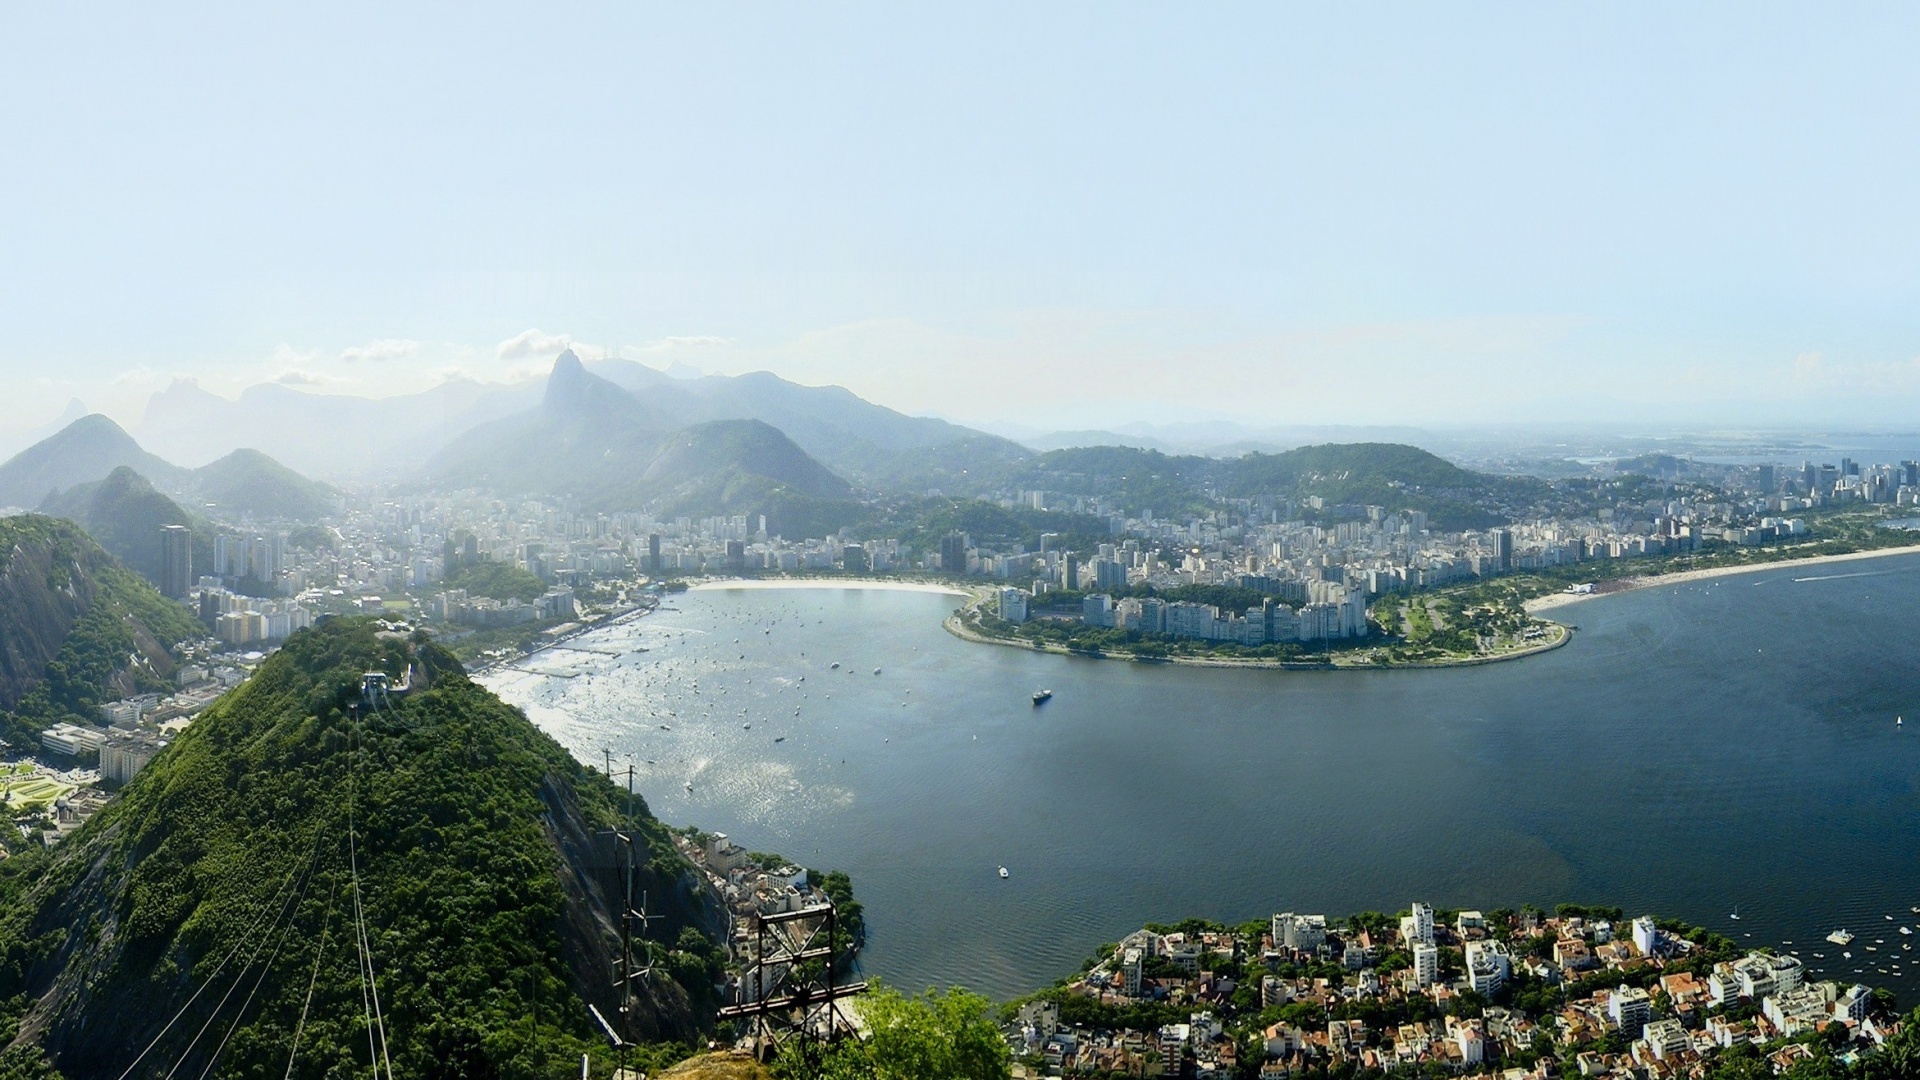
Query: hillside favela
[(851, 542)]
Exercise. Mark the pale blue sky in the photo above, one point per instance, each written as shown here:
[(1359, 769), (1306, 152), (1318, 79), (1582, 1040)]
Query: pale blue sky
[(1416, 213)]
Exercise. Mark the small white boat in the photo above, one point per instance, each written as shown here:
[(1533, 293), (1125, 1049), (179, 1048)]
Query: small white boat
[(1840, 937), (1040, 697), (1003, 873), (876, 671), (835, 666), (1735, 916), (1907, 930)]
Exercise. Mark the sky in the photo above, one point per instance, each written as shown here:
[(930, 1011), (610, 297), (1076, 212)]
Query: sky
[(1058, 215)]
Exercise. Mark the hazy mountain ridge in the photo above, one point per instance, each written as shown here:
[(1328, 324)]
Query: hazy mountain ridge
[(615, 449), (244, 483), (488, 886), (80, 453), (335, 435)]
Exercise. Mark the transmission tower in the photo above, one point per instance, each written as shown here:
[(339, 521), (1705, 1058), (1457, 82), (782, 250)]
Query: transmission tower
[(790, 992)]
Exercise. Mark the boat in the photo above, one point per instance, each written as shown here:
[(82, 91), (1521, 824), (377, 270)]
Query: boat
[(876, 671), (782, 738), (1003, 874), (1840, 937), (1736, 914), (835, 666), (689, 785), (1907, 930), (1040, 696)]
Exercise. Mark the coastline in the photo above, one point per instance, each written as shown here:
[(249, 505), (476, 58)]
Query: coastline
[(953, 625), (878, 584), (1679, 577)]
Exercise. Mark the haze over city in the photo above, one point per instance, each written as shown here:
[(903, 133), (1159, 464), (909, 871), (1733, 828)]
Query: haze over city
[(1072, 216), (973, 542)]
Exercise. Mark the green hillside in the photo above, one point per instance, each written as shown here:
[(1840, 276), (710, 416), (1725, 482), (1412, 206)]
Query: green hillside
[(1389, 475), (125, 514), (77, 629), (218, 896), (250, 482)]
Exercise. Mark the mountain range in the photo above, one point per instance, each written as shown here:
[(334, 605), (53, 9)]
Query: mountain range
[(243, 483), (342, 436)]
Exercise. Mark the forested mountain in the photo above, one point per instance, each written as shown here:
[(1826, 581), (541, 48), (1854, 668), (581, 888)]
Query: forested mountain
[(248, 482), (592, 440), (1390, 475), (212, 921), (77, 629), (124, 514)]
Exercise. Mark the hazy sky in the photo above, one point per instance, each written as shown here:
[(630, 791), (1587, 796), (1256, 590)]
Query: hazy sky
[(1052, 213)]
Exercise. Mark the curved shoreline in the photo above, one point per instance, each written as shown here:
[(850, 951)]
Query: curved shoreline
[(953, 625), (1679, 577)]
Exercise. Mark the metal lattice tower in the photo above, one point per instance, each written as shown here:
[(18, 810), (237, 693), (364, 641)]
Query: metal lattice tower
[(790, 993)]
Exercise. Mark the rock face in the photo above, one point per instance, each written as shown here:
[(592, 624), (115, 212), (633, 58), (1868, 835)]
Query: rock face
[(482, 861), (76, 627), (46, 584)]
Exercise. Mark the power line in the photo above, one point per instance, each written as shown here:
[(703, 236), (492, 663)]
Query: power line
[(265, 906), (261, 944), (300, 1029), (292, 917)]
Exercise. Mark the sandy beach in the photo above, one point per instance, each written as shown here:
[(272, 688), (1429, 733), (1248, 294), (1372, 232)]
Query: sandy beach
[(1619, 585), (830, 583)]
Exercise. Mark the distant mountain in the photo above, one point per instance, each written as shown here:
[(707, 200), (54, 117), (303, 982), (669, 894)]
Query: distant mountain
[(77, 628), (612, 449), (82, 452), (65, 468), (288, 833), (124, 514), (248, 482), (1390, 475), (338, 436), (872, 444), (330, 435)]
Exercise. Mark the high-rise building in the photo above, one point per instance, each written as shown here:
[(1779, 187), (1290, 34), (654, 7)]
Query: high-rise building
[(223, 556), (653, 553), (1502, 541), (953, 553), (176, 561), (1069, 571), (1426, 964)]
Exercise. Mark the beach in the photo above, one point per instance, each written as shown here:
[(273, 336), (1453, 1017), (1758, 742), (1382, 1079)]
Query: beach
[(881, 584), (1619, 585)]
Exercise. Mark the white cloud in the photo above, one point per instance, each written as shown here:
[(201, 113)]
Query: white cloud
[(693, 341), (302, 377), (286, 356), (529, 343), (138, 377), (382, 349)]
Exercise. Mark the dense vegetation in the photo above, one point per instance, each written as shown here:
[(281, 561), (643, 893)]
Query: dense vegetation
[(117, 639), (474, 840), (124, 513), (499, 580), (946, 1035), (251, 483), (1391, 475)]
